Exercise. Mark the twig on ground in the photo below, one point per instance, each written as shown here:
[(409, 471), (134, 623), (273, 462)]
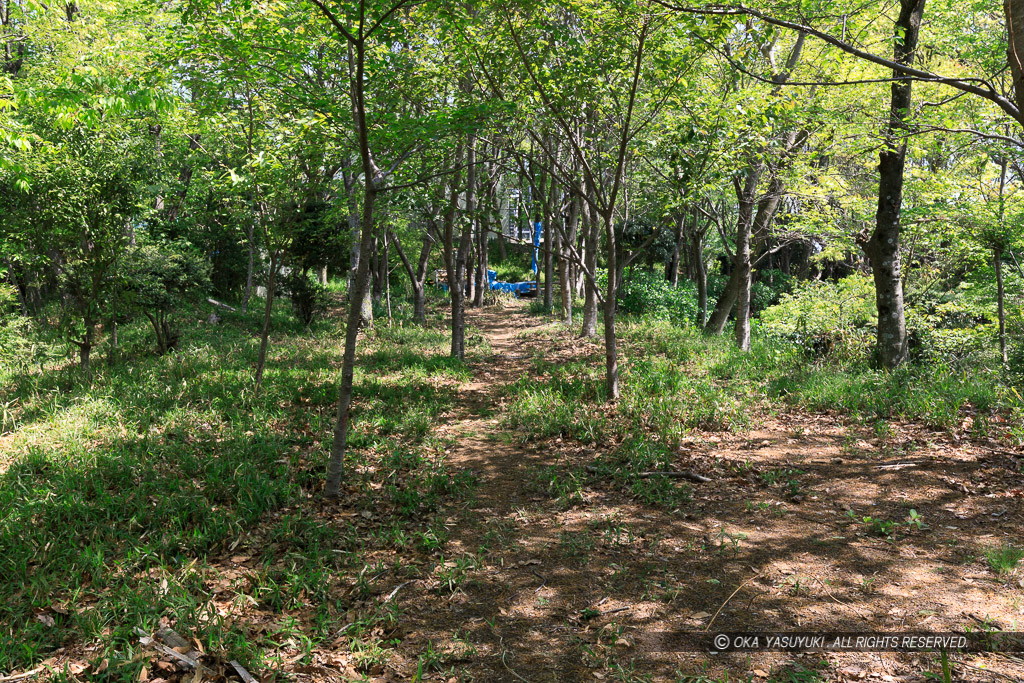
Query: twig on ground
[(993, 672), (245, 675), (148, 641), (738, 588), (393, 593), (501, 644), (898, 465), (21, 676), (828, 591), (616, 610)]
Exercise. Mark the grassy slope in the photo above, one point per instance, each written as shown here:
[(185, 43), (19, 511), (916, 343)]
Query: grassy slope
[(122, 500)]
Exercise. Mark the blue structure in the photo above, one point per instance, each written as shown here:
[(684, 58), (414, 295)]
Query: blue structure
[(517, 288), (520, 289), (538, 230)]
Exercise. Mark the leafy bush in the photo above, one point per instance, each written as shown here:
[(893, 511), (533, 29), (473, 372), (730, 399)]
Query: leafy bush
[(826, 317), (158, 280), (649, 294), (770, 287), (309, 297), (513, 270), (14, 330)]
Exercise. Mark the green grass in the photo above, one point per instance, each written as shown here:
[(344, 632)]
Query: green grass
[(124, 493), (675, 380), (1004, 559)]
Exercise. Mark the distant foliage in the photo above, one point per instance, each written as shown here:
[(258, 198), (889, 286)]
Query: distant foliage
[(769, 288), (513, 270), (649, 294), (826, 317)]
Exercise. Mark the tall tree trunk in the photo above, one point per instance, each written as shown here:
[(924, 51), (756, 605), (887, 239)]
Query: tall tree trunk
[(591, 227), (741, 261), (12, 276), (355, 320), (483, 235), (564, 261), (673, 267), (997, 254), (455, 263), (250, 265), (611, 353), (371, 178), (702, 275), (883, 246), (483, 282), (376, 263), (740, 274), (760, 228), (1014, 11), (549, 252), (358, 249), (268, 310), (458, 278)]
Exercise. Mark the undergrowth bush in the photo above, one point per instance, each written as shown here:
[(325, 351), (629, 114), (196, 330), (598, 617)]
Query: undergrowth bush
[(650, 294), (824, 318)]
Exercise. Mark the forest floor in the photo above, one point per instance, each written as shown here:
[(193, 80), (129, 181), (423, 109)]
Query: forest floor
[(776, 540), (469, 547)]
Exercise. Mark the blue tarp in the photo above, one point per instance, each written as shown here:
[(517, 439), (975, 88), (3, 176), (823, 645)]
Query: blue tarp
[(538, 230), (513, 287), (516, 288)]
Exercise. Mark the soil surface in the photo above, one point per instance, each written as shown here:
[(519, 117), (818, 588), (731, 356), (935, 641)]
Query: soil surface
[(574, 593)]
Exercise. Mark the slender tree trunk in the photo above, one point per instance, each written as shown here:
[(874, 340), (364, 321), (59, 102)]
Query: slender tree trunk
[(268, 310), (417, 277), (702, 276), (249, 237), (549, 252), (458, 283), (360, 284), (456, 292), (375, 265), (883, 246), (611, 299), (355, 320), (740, 274), (1000, 299), (760, 227), (358, 249), (564, 262), (483, 282), (673, 269), (591, 227), (483, 233)]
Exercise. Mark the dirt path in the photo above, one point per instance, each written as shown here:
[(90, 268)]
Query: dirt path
[(536, 586)]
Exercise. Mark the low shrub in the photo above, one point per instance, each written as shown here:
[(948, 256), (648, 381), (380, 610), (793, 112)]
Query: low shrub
[(650, 295), (826, 318)]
